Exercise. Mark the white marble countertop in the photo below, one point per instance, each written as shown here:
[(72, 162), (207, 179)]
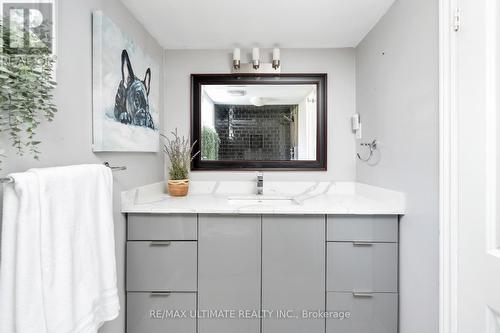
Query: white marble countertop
[(286, 197)]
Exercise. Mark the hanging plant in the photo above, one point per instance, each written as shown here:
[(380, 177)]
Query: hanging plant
[(26, 98)]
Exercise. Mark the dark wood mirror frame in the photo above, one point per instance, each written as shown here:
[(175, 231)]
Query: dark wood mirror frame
[(320, 80)]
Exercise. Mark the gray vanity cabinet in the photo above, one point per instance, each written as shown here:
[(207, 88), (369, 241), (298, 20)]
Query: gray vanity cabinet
[(293, 272), (229, 273), (275, 265), (161, 279), (362, 274)]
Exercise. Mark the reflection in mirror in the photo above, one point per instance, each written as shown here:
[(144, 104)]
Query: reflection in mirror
[(259, 122)]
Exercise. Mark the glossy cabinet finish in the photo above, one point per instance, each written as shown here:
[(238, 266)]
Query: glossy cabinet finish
[(353, 266), (368, 313), (161, 266), (148, 312), (229, 273), (288, 263), (370, 228), (293, 271), (162, 227), (362, 274)]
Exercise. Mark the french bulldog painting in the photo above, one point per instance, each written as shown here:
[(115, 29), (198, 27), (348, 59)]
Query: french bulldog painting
[(125, 91), (131, 101)]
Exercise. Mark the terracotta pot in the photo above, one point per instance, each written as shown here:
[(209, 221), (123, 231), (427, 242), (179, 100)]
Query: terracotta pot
[(178, 188)]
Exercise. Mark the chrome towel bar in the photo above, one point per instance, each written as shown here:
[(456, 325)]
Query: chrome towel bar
[(5, 180), (115, 168)]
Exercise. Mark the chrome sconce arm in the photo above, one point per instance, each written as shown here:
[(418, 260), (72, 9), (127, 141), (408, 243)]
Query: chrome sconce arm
[(236, 64), (255, 64), (276, 63)]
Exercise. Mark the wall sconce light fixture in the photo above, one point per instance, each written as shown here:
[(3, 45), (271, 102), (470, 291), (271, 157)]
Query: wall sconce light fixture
[(255, 58), (256, 66), (276, 58), (236, 58)]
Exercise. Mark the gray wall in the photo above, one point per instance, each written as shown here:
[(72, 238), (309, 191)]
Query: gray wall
[(339, 64), (68, 139), (397, 97)]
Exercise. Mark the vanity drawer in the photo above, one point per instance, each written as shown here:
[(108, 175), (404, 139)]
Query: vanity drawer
[(161, 266), (147, 312), (353, 266), (374, 228), (162, 226), (368, 313)]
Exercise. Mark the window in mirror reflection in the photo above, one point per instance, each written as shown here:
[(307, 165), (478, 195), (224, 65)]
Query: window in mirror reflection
[(258, 122)]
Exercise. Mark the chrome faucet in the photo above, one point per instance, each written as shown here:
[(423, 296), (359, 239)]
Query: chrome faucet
[(260, 183)]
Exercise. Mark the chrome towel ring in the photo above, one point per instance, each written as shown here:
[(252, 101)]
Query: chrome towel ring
[(372, 146)]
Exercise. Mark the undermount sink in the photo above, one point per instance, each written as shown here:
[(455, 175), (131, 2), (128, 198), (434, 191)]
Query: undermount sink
[(261, 200)]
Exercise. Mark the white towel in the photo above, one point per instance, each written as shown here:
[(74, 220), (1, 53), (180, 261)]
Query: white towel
[(21, 307), (69, 282)]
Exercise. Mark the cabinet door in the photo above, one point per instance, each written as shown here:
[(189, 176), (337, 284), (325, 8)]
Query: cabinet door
[(366, 228), (161, 266), (161, 312), (229, 272), (364, 267), (293, 273), (162, 227), (362, 313)]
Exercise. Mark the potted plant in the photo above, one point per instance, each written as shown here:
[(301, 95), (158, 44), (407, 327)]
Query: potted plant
[(210, 144), (180, 153)]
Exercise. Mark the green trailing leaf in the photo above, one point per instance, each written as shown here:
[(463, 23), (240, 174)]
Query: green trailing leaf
[(180, 153), (26, 98)]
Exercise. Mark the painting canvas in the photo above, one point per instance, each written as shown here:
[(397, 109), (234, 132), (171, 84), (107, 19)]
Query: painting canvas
[(125, 91)]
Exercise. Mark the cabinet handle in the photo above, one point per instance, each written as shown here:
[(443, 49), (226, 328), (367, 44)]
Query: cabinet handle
[(362, 243), (160, 294), (156, 243), (362, 295)]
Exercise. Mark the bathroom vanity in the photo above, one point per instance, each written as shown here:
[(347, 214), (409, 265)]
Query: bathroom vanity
[(309, 257)]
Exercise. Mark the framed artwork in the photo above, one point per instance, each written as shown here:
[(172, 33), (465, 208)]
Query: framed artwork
[(125, 91)]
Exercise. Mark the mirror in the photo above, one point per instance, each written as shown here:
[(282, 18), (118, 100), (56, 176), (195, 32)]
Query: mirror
[(259, 122)]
